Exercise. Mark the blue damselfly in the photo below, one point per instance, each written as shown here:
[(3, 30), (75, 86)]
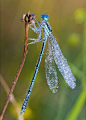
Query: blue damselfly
[(53, 56)]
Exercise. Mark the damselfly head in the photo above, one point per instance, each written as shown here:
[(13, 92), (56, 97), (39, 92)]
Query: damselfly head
[(44, 16)]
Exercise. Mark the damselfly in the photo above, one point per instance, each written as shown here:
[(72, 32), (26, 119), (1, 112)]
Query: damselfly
[(53, 56)]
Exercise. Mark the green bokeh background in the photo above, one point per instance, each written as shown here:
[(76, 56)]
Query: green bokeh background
[(68, 21)]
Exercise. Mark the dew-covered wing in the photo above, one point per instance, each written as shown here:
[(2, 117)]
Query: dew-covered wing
[(62, 64), (50, 70)]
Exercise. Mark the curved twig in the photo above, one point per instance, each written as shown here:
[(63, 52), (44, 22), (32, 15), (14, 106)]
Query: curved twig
[(28, 19)]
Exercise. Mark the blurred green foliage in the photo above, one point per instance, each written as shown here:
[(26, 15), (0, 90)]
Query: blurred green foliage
[(68, 22)]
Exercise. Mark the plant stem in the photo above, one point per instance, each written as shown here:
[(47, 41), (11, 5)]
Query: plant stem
[(27, 18)]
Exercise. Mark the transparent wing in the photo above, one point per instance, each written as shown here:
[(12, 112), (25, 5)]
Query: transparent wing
[(50, 70), (62, 64)]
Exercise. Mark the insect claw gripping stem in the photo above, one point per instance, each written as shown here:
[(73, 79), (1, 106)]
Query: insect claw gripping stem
[(29, 19)]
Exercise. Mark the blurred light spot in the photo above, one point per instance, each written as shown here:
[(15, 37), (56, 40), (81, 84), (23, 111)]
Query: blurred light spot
[(73, 39), (79, 15), (11, 98), (28, 114)]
